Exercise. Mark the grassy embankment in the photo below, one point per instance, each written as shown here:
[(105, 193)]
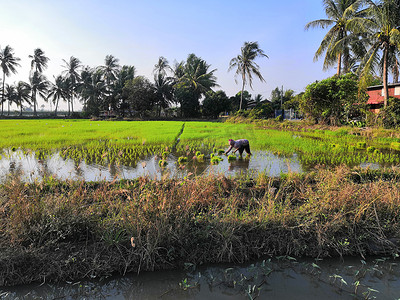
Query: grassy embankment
[(64, 230), (56, 231)]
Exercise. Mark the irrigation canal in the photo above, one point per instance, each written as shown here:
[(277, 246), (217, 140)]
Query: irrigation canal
[(271, 278)]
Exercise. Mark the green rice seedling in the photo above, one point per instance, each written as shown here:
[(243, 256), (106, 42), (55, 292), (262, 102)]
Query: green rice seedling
[(182, 159), (221, 151), (231, 157), (164, 154), (395, 145), (216, 159), (361, 145), (162, 163), (198, 153), (371, 149), (200, 157), (377, 152)]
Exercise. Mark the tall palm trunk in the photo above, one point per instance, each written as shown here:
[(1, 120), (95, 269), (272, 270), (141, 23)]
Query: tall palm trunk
[(339, 64), (396, 72), (385, 76), (34, 103), (72, 104), (20, 105), (2, 94), (55, 109), (241, 94)]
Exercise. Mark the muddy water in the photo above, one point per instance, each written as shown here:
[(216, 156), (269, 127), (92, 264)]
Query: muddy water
[(276, 278), (30, 168)]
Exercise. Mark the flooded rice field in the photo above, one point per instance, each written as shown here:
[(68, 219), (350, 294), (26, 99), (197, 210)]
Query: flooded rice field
[(31, 168)]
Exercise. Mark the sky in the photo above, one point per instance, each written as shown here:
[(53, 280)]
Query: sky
[(139, 32)]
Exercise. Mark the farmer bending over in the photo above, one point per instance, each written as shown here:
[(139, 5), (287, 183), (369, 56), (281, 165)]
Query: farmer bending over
[(239, 145)]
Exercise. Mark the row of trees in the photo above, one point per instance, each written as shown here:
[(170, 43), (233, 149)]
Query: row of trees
[(363, 37), (116, 89)]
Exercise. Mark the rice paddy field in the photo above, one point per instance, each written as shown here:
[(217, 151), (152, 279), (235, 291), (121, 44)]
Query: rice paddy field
[(338, 196), (149, 147)]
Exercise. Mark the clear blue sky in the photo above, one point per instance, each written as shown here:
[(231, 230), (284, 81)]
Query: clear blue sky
[(138, 32)]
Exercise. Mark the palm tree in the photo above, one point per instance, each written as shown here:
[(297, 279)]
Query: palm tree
[(336, 43), (39, 85), (92, 90), (125, 73), (110, 69), (22, 91), (57, 91), (8, 63), (198, 76), (164, 91), (194, 82), (39, 61), (161, 67), (245, 65), (71, 73), (9, 94), (109, 72), (381, 28)]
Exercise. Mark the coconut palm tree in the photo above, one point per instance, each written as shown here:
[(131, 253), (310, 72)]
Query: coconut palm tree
[(8, 63), (38, 61), (198, 76), (92, 90), (194, 79), (22, 94), (58, 90), (110, 69), (72, 73), (164, 91), (161, 67), (336, 43), (381, 30), (125, 73), (38, 86), (245, 65), (9, 94)]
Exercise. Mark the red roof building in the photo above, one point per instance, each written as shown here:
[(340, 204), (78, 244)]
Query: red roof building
[(376, 95)]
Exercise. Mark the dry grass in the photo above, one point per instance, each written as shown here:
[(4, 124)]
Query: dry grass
[(65, 230)]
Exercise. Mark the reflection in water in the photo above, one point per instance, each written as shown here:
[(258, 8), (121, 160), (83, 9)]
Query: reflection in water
[(32, 168), (277, 278)]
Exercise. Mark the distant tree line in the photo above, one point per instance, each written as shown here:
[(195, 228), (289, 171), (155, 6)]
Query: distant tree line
[(115, 90)]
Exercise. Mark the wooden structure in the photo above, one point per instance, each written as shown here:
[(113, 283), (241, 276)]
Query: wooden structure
[(375, 93)]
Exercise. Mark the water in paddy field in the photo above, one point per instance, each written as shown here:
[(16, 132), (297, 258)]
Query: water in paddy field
[(31, 168), (274, 278)]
